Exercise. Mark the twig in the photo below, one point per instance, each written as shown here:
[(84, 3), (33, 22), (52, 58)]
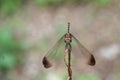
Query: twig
[(68, 51)]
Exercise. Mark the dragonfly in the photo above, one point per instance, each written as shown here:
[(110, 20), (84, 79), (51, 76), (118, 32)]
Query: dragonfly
[(67, 39)]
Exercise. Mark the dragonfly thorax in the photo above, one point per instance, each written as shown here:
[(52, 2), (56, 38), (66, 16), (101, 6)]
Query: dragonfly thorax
[(68, 46), (68, 38)]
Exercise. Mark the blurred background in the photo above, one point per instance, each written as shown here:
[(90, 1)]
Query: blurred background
[(28, 28)]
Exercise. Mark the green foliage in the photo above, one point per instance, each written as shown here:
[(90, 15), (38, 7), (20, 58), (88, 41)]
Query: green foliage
[(10, 50), (7, 61), (88, 77), (57, 2), (42, 2), (78, 1), (102, 3), (118, 77), (8, 7), (49, 2)]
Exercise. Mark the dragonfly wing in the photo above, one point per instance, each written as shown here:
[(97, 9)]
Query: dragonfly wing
[(85, 52), (46, 60)]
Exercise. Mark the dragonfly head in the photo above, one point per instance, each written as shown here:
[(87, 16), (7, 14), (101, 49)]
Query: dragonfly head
[(68, 38)]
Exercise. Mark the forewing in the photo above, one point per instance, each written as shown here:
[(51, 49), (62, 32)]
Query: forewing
[(85, 52), (52, 53)]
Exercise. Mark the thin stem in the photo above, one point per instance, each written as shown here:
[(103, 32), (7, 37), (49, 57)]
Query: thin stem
[(69, 65), (68, 51)]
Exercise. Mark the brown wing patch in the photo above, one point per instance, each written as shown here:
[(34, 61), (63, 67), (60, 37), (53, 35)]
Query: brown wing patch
[(92, 61), (46, 62)]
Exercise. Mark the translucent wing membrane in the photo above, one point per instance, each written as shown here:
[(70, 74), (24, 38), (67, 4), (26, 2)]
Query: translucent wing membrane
[(85, 52), (52, 52)]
